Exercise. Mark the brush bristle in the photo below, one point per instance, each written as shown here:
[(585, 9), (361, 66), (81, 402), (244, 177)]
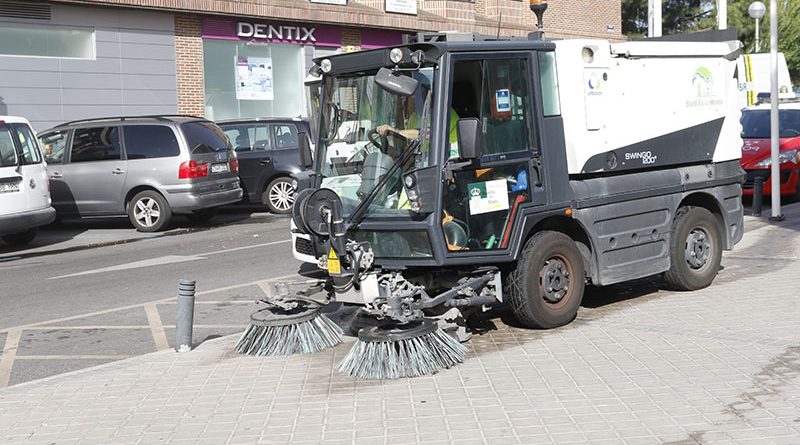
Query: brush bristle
[(310, 336), (423, 355)]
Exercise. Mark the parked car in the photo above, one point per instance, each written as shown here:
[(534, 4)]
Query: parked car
[(268, 154), (756, 151), (24, 191), (145, 167)]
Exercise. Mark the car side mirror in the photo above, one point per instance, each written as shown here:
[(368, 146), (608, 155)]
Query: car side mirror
[(468, 131), (306, 158)]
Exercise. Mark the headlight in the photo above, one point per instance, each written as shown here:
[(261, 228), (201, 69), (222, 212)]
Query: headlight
[(783, 157), (325, 65), (396, 55)]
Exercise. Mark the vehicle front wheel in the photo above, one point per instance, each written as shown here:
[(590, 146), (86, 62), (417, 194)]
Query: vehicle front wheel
[(149, 211), (278, 196), (21, 238), (696, 250), (546, 288)]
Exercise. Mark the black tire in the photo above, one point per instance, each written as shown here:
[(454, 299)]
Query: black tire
[(696, 250), (148, 211), (278, 196), (201, 216), (21, 238), (546, 287)]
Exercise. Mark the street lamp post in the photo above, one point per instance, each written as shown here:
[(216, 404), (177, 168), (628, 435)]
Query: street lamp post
[(757, 10)]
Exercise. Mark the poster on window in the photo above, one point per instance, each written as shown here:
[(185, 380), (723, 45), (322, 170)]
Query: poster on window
[(253, 78)]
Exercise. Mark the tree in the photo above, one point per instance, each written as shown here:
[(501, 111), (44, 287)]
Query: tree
[(698, 15)]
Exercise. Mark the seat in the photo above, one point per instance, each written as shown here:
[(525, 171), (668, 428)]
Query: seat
[(243, 142)]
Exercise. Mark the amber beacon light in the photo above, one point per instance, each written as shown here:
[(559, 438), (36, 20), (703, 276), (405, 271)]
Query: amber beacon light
[(538, 7)]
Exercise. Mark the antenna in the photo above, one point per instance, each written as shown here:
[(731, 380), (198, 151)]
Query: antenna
[(499, 21)]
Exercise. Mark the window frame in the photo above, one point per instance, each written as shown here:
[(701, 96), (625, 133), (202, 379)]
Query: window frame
[(532, 120), (124, 144), (72, 144)]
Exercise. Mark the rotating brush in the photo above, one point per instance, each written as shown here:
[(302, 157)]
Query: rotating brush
[(275, 331), (397, 351)]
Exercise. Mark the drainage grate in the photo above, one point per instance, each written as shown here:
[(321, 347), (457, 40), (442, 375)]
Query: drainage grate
[(25, 9)]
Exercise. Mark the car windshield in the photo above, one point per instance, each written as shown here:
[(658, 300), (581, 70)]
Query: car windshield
[(756, 124), (364, 129)]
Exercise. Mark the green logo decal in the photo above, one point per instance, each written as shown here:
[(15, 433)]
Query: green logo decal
[(702, 82)]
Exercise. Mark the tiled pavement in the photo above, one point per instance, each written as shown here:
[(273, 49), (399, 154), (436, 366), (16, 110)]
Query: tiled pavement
[(639, 366)]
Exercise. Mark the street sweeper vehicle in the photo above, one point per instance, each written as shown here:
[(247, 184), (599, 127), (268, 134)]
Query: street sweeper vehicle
[(482, 172)]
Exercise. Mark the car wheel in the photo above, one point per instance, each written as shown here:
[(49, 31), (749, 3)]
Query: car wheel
[(201, 216), (149, 211), (21, 238), (278, 196), (546, 287), (696, 250)]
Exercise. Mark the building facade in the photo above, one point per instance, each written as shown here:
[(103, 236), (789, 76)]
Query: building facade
[(65, 60)]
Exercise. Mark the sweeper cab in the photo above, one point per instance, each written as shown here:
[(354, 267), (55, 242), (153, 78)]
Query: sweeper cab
[(457, 173)]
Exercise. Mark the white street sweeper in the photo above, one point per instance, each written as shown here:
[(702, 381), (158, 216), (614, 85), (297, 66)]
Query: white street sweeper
[(474, 172)]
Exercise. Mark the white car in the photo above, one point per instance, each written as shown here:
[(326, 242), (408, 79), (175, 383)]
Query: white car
[(24, 187)]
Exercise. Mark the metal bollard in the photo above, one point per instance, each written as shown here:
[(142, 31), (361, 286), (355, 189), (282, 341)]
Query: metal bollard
[(758, 194), (185, 316)]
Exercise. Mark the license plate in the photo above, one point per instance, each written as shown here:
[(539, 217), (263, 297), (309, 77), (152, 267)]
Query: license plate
[(219, 168), (8, 187)]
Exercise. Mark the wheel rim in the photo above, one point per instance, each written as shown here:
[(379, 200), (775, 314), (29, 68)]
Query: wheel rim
[(698, 248), (554, 279), (281, 196), (147, 212)]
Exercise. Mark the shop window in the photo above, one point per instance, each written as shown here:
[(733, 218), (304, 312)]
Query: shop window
[(39, 41), (244, 80)]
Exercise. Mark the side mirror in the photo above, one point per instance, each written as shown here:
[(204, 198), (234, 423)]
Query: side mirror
[(306, 159), (468, 131)]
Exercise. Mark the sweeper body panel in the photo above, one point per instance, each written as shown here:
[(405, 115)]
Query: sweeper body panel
[(488, 172)]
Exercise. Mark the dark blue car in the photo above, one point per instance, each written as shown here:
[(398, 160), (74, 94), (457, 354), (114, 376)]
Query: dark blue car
[(268, 153)]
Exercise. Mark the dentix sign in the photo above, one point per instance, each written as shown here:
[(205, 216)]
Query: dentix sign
[(299, 34)]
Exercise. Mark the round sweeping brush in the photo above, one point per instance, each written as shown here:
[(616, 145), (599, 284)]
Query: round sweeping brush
[(396, 351), (278, 331)]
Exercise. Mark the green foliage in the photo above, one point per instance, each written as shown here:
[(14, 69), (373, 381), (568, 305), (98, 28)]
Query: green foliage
[(698, 15)]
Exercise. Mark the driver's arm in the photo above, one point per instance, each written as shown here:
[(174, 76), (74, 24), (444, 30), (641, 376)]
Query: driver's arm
[(408, 133)]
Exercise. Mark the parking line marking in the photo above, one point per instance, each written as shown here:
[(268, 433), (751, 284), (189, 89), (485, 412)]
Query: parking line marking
[(73, 357), (163, 260), (9, 354), (156, 327), (136, 306)]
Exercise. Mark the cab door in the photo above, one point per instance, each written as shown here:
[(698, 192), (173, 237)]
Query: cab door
[(482, 199)]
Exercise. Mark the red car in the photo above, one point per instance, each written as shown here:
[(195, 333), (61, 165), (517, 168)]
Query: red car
[(756, 156)]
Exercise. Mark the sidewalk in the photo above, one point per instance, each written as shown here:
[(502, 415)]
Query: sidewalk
[(720, 365)]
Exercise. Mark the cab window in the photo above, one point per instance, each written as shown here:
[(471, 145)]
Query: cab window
[(27, 144)]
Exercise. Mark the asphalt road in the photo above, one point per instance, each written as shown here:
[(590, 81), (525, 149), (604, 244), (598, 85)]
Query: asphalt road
[(78, 308)]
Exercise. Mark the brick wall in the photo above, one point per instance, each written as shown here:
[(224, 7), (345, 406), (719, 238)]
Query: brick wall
[(189, 65), (564, 18), (351, 39)]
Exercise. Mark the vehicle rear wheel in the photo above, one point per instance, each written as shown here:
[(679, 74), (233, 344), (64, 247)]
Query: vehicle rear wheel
[(696, 250), (546, 288), (149, 211), (201, 216), (278, 196), (21, 238)]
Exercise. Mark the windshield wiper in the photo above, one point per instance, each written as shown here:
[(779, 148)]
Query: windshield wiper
[(358, 214)]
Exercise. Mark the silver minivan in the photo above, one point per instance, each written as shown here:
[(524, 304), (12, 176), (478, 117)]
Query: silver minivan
[(24, 196), (145, 167)]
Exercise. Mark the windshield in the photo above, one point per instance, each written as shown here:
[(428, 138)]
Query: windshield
[(756, 124), (363, 130)]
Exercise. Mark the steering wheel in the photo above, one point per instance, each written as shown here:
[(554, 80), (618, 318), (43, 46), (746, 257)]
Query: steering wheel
[(382, 141), (377, 139)]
